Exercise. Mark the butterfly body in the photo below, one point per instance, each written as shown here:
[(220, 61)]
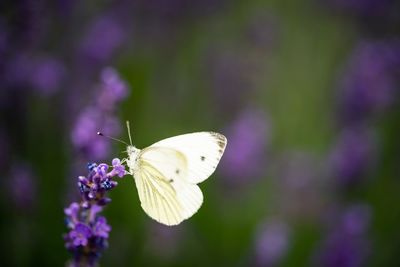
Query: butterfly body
[(133, 158), (167, 173)]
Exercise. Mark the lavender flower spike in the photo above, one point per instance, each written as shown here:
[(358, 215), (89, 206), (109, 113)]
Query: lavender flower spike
[(88, 232)]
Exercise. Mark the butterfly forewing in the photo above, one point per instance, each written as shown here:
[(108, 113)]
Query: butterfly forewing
[(202, 151), (171, 163)]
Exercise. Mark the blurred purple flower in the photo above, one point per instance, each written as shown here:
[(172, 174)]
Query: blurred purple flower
[(80, 235), (353, 155), (23, 188), (18, 71), (113, 89), (300, 186), (363, 7), (101, 228), (236, 68), (99, 117), (102, 39), (4, 148), (370, 80), (262, 31), (30, 22), (177, 9), (356, 219), (118, 168), (4, 38), (244, 158), (66, 7), (43, 74), (47, 75), (230, 76), (72, 211), (94, 210), (347, 244), (272, 243), (84, 136)]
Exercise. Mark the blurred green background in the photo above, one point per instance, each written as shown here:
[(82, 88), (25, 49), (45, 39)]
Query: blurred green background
[(305, 91)]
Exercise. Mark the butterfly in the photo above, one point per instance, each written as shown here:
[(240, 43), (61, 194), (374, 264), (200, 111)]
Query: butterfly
[(166, 173)]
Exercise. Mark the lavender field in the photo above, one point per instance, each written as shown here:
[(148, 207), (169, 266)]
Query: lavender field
[(306, 92)]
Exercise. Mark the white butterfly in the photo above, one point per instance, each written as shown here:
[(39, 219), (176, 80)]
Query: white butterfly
[(167, 173)]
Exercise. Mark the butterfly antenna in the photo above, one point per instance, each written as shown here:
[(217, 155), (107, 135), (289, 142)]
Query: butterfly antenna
[(112, 138), (129, 131)]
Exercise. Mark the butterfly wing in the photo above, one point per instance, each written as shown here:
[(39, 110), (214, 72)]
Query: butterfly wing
[(164, 194), (202, 151)]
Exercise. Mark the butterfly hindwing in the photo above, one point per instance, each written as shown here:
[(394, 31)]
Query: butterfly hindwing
[(202, 151), (164, 193), (158, 198)]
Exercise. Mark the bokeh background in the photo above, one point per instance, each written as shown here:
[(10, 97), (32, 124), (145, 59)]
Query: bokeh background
[(306, 92)]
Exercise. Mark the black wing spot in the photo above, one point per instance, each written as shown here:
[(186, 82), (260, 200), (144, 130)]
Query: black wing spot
[(177, 171), (221, 144), (221, 140), (171, 180), (203, 158)]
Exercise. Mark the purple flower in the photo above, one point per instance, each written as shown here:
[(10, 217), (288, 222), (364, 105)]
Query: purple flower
[(47, 75), (4, 148), (101, 228), (363, 7), (353, 155), (174, 10), (119, 169), (272, 243), (248, 139), (300, 185), (4, 38), (72, 212), (356, 219), (113, 89), (30, 30), (83, 137), (22, 186), (97, 183), (43, 74), (80, 234), (99, 116), (89, 232), (101, 170), (347, 244), (230, 77), (263, 30), (18, 72), (94, 210), (370, 80), (103, 37)]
